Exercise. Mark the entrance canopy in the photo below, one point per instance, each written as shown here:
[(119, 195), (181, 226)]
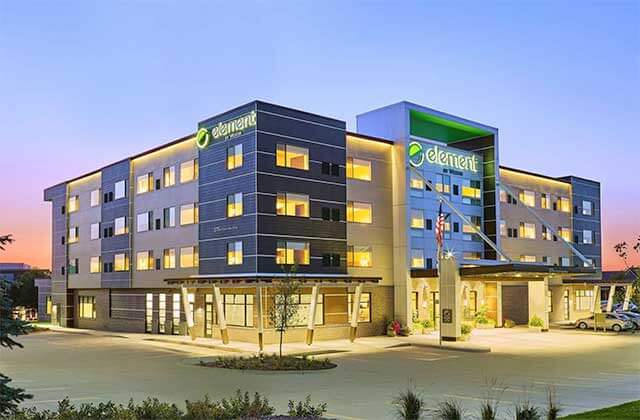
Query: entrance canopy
[(252, 280), (510, 270)]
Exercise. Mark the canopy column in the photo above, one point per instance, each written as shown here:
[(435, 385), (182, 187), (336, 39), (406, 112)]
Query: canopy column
[(595, 306), (260, 311), (222, 322), (355, 312), (187, 311), (612, 292), (627, 297), (311, 320)]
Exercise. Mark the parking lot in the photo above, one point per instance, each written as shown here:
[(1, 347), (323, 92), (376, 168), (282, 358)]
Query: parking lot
[(587, 370)]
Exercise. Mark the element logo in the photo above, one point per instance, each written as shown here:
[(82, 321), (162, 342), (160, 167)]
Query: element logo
[(202, 138), (416, 154), (225, 130)]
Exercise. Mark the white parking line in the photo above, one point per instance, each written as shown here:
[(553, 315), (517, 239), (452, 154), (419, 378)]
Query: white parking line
[(434, 359)]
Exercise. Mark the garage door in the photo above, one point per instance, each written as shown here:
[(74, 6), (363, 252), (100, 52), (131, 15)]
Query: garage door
[(515, 304)]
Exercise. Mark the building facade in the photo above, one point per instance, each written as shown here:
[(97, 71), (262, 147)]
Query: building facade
[(197, 234)]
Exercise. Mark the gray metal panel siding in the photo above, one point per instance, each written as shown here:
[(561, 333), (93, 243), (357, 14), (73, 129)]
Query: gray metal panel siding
[(587, 190), (44, 290)]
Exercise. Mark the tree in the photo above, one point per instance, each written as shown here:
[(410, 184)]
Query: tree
[(283, 309), (622, 249), (5, 240), (23, 290)]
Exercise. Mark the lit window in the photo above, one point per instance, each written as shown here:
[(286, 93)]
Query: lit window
[(189, 257), (359, 169), (162, 312), (471, 192), (144, 183), (364, 312), (584, 300), (169, 258), (527, 230), (169, 176), (545, 201), (564, 261), (292, 156), (469, 231), (564, 204), (503, 228), (73, 235), (302, 314), (169, 216), (234, 157), (95, 198), (471, 255), (416, 182), (120, 262), (528, 258), (587, 208), (175, 313), (417, 258), (74, 204), (417, 219), (120, 226), (119, 190), (188, 214), (546, 233), (289, 252), (49, 304), (238, 309), (234, 253), (443, 184), (587, 237), (503, 196), (588, 263), (94, 265), (528, 198), (290, 204), (358, 212), (359, 256), (143, 222), (95, 231), (87, 307), (234, 205), (565, 233), (188, 171), (144, 260)]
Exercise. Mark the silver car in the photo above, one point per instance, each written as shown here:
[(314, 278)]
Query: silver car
[(612, 322)]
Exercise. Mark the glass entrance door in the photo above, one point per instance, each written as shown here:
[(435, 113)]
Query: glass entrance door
[(567, 305), (208, 315), (435, 309), (148, 313)]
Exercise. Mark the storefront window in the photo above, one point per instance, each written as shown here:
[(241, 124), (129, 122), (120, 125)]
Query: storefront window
[(238, 309), (584, 300), (87, 307), (364, 314)]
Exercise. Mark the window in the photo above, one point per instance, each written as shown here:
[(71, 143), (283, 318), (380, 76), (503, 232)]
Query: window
[(94, 265), (292, 156), (144, 183), (416, 182), (290, 204), (417, 219), (162, 312), (587, 208), (358, 212), (588, 263), (443, 184), (48, 304), (188, 214), (169, 176), (565, 233), (587, 237), (471, 192), (87, 307), (302, 315), (528, 198), (234, 253), (144, 260), (564, 261), (546, 233), (169, 217), (189, 257), (169, 258), (527, 230), (364, 314), (234, 157), (73, 235), (469, 231), (289, 252), (234, 205), (188, 171), (503, 228), (119, 190), (505, 197), (528, 258), (564, 205), (73, 266), (545, 201), (121, 262), (238, 309), (417, 258), (359, 256), (359, 169), (74, 204), (95, 198), (148, 313), (95, 231), (584, 300), (175, 313), (144, 221), (429, 224), (120, 225), (331, 260)]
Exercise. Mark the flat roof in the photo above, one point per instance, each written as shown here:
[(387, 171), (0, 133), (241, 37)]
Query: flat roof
[(522, 171), (368, 137), (508, 270), (255, 279)]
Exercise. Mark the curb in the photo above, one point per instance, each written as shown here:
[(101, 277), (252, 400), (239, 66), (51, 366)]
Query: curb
[(478, 349)]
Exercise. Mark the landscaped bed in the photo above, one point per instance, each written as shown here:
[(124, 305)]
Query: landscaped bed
[(270, 363), (630, 410)]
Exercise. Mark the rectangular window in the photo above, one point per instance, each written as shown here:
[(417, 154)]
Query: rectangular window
[(416, 182), (359, 169), (48, 304), (443, 184), (144, 260), (238, 309), (234, 205), (175, 313), (359, 256), (565, 233), (587, 237), (189, 171), (144, 183), (95, 231), (189, 257), (148, 313), (94, 265), (302, 315), (73, 235), (234, 253), (188, 214), (169, 176), (234, 157), (584, 300), (469, 231), (95, 198), (162, 312), (359, 212), (587, 208), (74, 204), (528, 258), (120, 225), (169, 258), (527, 230), (564, 261), (417, 219), (73, 266), (120, 190), (290, 204), (289, 252), (417, 258), (120, 262), (471, 192), (545, 201), (528, 198), (564, 204), (546, 233), (290, 156), (143, 221), (169, 217), (87, 307), (364, 313), (503, 228)]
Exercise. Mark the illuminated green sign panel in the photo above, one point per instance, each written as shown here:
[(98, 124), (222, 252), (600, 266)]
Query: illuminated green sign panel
[(438, 156), (226, 129)]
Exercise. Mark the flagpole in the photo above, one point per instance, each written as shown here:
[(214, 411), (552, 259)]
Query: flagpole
[(439, 256)]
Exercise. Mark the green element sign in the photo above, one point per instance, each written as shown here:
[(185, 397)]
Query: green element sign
[(225, 130), (438, 156), (442, 129)]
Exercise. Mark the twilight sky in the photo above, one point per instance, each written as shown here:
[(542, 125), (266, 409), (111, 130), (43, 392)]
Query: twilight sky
[(83, 84)]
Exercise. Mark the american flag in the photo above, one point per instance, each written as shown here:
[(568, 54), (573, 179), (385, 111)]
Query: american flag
[(440, 227)]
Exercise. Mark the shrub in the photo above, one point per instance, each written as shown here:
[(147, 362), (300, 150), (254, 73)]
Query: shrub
[(395, 326), (306, 409), (466, 329), (536, 321), (481, 315), (269, 362), (553, 409), (527, 411), (241, 406), (426, 324), (449, 410), (409, 405), (509, 323)]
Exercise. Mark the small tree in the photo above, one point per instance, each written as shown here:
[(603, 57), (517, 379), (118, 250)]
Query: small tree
[(283, 309), (622, 249)]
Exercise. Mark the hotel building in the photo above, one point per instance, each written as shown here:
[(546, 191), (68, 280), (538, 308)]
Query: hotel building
[(195, 235)]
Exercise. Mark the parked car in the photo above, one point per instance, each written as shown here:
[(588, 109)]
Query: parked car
[(633, 317), (612, 322)]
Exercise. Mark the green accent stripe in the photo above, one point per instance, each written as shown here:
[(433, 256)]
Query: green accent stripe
[(433, 127)]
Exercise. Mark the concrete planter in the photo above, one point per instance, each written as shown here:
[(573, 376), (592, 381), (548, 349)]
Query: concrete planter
[(488, 326), (535, 329)]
